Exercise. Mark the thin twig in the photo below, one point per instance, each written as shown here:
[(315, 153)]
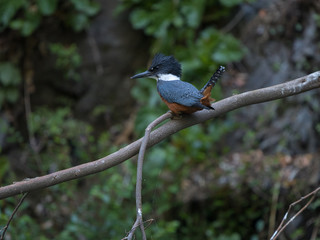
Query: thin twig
[(290, 88), (131, 232), (35, 147), (234, 21), (12, 215), (143, 147), (281, 226), (273, 211)]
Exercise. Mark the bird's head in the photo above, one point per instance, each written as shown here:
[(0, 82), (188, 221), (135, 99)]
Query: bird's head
[(163, 67)]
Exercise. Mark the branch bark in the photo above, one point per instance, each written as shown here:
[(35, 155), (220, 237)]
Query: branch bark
[(143, 147), (287, 89)]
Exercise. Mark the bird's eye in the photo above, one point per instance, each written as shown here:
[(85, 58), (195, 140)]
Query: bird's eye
[(153, 68)]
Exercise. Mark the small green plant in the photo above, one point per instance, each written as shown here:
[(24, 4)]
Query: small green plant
[(66, 139), (26, 16), (68, 59)]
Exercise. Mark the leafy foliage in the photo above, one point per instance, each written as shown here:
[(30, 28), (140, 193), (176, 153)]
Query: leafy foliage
[(26, 16), (8, 9), (102, 207), (51, 138), (68, 59), (176, 26), (108, 208), (66, 139)]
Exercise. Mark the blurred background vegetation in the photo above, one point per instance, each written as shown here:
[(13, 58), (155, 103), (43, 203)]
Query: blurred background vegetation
[(66, 99)]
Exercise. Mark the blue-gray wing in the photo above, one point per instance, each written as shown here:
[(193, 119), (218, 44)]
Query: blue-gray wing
[(180, 92)]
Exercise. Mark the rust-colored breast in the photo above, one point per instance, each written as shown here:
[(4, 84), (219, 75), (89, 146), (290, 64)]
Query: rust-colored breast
[(178, 108)]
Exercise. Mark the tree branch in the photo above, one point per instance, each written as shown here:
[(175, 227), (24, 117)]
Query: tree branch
[(143, 147), (4, 230), (282, 226), (287, 89)]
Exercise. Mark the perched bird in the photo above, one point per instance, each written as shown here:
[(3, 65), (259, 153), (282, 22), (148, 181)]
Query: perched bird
[(180, 97)]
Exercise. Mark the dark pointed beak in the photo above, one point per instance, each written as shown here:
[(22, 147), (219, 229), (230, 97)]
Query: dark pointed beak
[(142, 75)]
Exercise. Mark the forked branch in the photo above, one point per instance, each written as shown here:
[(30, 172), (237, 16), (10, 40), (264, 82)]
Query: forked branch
[(284, 223), (143, 147), (287, 89)]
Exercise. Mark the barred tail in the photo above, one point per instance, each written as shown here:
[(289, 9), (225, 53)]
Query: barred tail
[(213, 80)]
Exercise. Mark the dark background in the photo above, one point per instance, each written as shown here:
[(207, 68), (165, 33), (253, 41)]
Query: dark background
[(66, 98)]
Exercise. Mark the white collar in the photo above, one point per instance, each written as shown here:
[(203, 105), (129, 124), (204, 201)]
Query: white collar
[(168, 77)]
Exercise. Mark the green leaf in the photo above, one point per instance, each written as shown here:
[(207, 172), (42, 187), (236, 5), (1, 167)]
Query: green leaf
[(9, 74), (139, 18), (28, 25), (156, 21), (8, 9), (230, 50), (10, 78), (224, 47), (28, 28), (193, 12), (16, 24), (78, 21), (86, 6), (47, 7)]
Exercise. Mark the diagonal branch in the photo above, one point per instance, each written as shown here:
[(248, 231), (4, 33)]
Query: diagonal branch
[(287, 89), (4, 230)]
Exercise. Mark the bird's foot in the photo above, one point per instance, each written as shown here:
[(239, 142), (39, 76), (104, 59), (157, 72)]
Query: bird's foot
[(176, 116)]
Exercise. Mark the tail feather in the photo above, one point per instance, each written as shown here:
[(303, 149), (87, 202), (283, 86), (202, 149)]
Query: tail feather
[(213, 80)]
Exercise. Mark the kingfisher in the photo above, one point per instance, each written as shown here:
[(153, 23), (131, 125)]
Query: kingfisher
[(180, 97)]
